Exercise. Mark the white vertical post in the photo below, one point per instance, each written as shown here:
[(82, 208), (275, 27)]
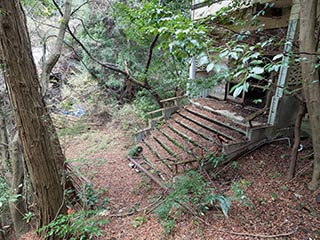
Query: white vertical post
[(292, 28)]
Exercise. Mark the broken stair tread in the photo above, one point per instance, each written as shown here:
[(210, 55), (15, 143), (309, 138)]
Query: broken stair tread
[(192, 137), (176, 138), (183, 143), (206, 134), (170, 147), (217, 118), (158, 167), (160, 181), (148, 155), (213, 128), (163, 156)]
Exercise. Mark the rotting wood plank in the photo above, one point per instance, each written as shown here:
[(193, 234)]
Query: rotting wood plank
[(205, 137), (170, 138), (231, 125), (153, 148), (154, 178), (181, 134), (229, 137)]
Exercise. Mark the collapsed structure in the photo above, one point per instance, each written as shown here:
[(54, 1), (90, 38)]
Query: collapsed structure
[(217, 126)]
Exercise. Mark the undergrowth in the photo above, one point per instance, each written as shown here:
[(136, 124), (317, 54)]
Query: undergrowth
[(193, 191), (80, 224)]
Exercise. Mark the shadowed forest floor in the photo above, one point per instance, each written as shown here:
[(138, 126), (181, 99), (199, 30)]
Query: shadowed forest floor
[(273, 207)]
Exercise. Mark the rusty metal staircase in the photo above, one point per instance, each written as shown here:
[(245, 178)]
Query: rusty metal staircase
[(186, 139)]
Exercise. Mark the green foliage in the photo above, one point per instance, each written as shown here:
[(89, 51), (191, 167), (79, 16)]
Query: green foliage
[(83, 224), (128, 118), (179, 35), (145, 103), (28, 216), (246, 64), (135, 151), (92, 197), (4, 197), (192, 190), (235, 165), (80, 225), (238, 188), (138, 221), (44, 8), (246, 58), (213, 159), (76, 128)]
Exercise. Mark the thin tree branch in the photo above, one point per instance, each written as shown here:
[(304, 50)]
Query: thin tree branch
[(57, 6), (86, 30), (77, 9), (153, 44)]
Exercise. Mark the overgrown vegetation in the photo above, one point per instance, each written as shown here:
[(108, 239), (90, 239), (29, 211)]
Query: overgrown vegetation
[(191, 193), (80, 224), (122, 59)]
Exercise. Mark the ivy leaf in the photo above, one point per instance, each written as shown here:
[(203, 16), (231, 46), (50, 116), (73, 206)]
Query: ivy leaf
[(203, 60), (237, 91), (234, 55), (224, 53), (257, 70), (246, 86), (255, 55), (278, 56), (256, 62), (224, 203), (221, 68), (255, 76), (210, 67)]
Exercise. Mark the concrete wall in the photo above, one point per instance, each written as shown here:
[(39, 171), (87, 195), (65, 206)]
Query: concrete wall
[(270, 23), (287, 111)]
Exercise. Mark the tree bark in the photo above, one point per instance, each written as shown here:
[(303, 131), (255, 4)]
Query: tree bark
[(4, 144), (54, 57), (310, 81), (43, 154), (297, 128), (18, 207)]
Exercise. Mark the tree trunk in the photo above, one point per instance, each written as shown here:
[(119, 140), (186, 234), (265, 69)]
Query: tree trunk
[(4, 144), (310, 81), (297, 127), (44, 157), (4, 169), (54, 57), (18, 207)]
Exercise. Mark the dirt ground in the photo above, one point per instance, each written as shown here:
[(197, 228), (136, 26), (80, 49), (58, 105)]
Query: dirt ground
[(275, 208)]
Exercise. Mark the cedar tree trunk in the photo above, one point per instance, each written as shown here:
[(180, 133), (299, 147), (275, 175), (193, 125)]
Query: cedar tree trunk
[(310, 81), (18, 207), (44, 158)]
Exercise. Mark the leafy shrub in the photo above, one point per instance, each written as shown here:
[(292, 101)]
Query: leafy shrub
[(192, 190), (128, 118), (238, 189), (213, 159), (81, 225), (144, 103)]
